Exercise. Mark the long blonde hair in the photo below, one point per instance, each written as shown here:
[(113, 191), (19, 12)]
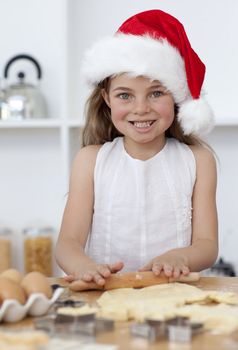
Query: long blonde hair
[(99, 128)]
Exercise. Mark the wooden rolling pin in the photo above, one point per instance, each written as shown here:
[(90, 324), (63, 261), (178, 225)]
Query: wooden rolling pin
[(132, 280)]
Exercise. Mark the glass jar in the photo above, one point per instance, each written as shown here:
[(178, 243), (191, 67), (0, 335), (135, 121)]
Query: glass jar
[(5, 248), (38, 243)]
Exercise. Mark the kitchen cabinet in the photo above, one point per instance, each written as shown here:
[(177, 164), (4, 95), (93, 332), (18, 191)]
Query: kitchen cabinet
[(35, 155)]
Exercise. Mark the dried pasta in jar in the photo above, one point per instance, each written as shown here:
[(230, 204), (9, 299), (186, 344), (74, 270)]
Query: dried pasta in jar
[(38, 250), (5, 249)]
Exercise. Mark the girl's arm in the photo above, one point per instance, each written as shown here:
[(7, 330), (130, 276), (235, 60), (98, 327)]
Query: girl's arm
[(204, 248), (77, 221)]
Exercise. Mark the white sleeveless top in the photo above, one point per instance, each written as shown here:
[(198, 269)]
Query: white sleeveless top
[(142, 208)]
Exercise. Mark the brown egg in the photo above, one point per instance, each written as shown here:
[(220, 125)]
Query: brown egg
[(36, 282), (12, 274), (10, 289)]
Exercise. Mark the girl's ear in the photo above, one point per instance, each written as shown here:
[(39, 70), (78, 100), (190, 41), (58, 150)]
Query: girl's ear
[(106, 97)]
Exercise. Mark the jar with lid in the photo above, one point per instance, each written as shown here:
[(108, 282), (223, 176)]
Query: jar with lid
[(38, 243), (5, 248)]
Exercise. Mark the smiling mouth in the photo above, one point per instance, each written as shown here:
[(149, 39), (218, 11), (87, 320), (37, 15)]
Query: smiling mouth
[(139, 124)]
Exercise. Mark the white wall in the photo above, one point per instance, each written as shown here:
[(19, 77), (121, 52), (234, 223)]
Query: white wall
[(57, 32), (38, 28), (224, 141)]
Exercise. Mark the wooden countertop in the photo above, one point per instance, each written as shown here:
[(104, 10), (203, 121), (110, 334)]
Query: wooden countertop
[(121, 337)]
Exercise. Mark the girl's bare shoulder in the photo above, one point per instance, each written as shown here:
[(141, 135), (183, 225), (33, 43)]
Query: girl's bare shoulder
[(86, 157), (204, 155), (90, 151)]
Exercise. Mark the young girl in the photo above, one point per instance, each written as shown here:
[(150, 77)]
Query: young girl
[(142, 189)]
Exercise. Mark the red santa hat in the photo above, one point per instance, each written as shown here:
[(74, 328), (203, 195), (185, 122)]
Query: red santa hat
[(154, 44)]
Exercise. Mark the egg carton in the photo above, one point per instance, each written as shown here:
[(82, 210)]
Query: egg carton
[(37, 305)]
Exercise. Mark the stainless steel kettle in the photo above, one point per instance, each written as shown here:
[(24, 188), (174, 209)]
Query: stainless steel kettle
[(22, 100)]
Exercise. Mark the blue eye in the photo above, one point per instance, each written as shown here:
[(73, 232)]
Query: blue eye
[(157, 93), (124, 96)]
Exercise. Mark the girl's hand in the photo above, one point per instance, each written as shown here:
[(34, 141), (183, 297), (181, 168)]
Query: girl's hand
[(96, 273), (172, 264)]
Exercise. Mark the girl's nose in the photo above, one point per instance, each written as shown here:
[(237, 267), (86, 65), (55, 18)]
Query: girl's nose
[(141, 106)]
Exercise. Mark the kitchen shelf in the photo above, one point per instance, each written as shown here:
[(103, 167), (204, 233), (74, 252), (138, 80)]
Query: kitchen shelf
[(57, 123), (40, 123), (71, 123), (227, 122)]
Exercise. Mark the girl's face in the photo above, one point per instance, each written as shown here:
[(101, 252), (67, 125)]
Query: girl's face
[(141, 109)]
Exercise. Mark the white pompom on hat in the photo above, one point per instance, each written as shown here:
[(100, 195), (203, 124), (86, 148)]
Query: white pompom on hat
[(154, 44)]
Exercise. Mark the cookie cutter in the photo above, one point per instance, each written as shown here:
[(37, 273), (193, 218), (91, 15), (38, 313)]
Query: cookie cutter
[(146, 330), (87, 325), (181, 329), (69, 302), (177, 329)]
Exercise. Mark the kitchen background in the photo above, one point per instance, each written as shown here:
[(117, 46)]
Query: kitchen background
[(35, 155)]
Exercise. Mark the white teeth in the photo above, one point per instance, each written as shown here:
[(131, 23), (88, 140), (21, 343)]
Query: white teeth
[(143, 124)]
